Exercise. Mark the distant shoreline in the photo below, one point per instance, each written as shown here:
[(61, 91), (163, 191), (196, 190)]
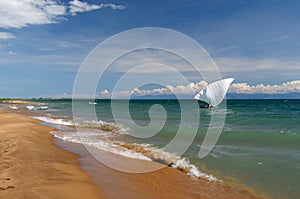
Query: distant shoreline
[(36, 100)]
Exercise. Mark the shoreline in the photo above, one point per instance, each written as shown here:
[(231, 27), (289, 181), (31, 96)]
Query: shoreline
[(164, 183)]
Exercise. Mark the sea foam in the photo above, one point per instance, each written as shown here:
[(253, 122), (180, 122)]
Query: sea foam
[(133, 150), (55, 120), (105, 126), (13, 107), (102, 140)]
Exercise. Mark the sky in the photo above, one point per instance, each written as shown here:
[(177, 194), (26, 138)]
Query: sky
[(43, 43)]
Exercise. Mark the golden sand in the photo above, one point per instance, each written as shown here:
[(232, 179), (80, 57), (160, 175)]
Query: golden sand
[(32, 167)]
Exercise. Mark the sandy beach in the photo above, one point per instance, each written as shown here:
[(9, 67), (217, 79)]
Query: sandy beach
[(32, 166)]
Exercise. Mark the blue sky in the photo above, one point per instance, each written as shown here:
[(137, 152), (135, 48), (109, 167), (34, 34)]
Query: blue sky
[(42, 44)]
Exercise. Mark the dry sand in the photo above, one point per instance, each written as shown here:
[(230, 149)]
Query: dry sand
[(31, 166)]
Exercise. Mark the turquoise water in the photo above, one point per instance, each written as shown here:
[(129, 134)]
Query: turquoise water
[(259, 145)]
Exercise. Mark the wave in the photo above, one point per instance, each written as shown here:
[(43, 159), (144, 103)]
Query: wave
[(102, 140), (105, 126), (13, 107), (31, 107), (105, 145), (132, 150), (55, 121), (41, 107), (172, 160)]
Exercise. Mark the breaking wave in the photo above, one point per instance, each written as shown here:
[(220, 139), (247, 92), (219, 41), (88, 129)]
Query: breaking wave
[(100, 140), (105, 126), (103, 140), (38, 107)]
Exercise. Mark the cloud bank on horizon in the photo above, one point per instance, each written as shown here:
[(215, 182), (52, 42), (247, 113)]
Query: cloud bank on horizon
[(194, 88)]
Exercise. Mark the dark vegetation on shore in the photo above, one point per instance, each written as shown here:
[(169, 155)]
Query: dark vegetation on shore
[(5, 99)]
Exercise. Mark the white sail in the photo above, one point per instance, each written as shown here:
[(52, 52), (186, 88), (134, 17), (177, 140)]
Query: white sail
[(215, 92)]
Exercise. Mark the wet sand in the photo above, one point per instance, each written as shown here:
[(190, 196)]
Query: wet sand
[(31, 166), (163, 183)]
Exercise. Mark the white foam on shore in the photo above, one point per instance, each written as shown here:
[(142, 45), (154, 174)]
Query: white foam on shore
[(102, 140), (192, 170), (88, 138), (180, 163), (39, 107), (30, 107), (55, 121), (105, 126), (13, 107)]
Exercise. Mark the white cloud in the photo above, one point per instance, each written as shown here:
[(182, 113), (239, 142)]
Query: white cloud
[(79, 6), (114, 6), (18, 14), (288, 87), (193, 88), (105, 92), (190, 89), (22, 13), (12, 53), (6, 35), (55, 10)]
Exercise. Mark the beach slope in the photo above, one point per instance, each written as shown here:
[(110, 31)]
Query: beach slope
[(31, 166)]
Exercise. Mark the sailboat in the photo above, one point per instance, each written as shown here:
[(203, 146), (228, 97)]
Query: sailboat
[(214, 93)]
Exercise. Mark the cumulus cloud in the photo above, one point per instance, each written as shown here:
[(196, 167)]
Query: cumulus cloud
[(288, 87), (193, 88), (6, 35), (79, 6), (19, 14), (190, 89), (105, 92)]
